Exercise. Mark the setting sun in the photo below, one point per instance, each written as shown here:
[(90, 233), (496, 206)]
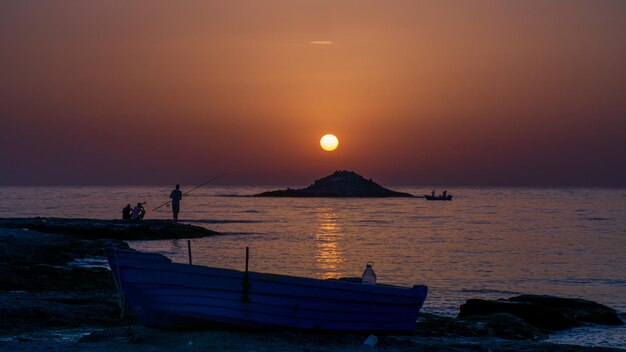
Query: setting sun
[(329, 142)]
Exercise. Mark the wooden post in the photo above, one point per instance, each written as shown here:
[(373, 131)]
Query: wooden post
[(246, 283), (247, 257), (121, 296), (189, 250)]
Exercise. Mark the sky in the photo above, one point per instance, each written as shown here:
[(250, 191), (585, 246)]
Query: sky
[(476, 93)]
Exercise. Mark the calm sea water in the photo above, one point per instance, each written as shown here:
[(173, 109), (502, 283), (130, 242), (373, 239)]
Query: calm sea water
[(486, 243)]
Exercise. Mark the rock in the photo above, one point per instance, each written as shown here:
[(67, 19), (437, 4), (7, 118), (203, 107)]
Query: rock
[(28, 311), (507, 326), (109, 229), (501, 325), (339, 184), (115, 334), (38, 289), (545, 312), (42, 281)]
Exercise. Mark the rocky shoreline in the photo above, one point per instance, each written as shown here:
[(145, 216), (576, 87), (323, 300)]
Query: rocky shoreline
[(127, 230), (48, 303)]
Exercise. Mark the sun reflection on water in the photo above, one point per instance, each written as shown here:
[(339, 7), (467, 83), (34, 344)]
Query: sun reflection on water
[(329, 255)]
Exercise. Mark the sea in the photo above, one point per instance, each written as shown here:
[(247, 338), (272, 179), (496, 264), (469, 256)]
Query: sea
[(486, 243)]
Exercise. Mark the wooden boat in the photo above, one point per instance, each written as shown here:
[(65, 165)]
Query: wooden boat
[(448, 197), (168, 295)]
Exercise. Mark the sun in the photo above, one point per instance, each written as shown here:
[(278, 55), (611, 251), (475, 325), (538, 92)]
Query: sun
[(329, 142)]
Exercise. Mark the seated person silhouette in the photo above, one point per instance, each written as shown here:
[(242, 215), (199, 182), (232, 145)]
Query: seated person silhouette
[(138, 212)]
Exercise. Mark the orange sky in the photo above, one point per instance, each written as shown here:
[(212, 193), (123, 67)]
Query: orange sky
[(418, 92)]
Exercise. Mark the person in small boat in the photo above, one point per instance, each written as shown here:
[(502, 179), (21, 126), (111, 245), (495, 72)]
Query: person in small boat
[(433, 194), (126, 212), (138, 212), (445, 193), (176, 196)]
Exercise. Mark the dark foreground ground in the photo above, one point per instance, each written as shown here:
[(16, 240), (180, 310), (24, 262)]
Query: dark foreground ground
[(47, 303)]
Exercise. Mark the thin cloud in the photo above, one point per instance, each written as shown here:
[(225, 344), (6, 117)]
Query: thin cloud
[(321, 42)]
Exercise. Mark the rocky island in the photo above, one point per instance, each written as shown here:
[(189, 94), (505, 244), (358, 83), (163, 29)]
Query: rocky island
[(339, 184)]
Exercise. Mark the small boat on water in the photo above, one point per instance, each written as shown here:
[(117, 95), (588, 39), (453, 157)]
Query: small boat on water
[(448, 197), (168, 295)]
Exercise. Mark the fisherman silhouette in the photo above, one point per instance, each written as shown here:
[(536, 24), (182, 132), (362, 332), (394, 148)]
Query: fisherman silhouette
[(176, 196)]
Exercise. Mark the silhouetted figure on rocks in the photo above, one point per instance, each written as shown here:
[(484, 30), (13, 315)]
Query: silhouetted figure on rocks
[(176, 196), (138, 212), (126, 212)]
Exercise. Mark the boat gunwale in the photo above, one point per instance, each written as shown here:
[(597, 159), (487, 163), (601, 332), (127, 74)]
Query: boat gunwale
[(332, 285), (192, 269)]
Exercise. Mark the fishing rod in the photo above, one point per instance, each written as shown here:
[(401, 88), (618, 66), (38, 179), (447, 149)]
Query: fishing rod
[(191, 190)]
